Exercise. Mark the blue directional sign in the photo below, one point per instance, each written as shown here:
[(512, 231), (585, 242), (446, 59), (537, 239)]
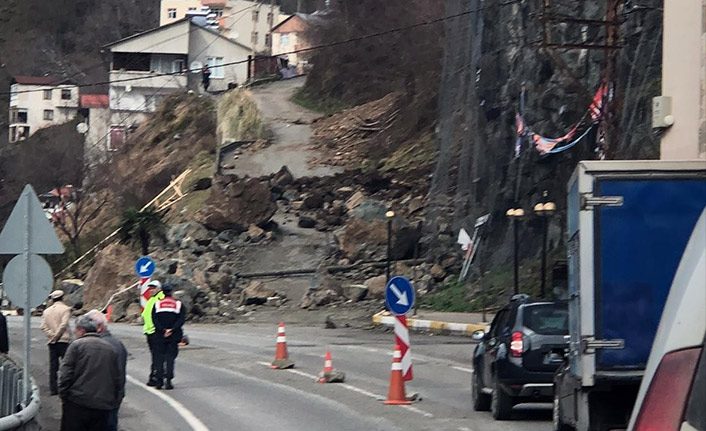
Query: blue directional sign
[(144, 267), (399, 296)]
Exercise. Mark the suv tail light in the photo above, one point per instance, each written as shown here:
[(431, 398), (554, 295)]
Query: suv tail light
[(516, 345), (665, 400)]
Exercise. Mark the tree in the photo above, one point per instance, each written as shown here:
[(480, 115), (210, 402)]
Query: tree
[(139, 227)]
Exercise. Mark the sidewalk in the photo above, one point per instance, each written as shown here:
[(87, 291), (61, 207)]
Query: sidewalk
[(439, 322)]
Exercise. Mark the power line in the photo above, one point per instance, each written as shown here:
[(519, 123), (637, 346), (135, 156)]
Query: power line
[(298, 51)]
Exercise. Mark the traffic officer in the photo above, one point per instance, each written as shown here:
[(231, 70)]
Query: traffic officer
[(168, 316), (154, 289)]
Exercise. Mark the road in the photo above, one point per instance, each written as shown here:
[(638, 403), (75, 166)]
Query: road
[(223, 383), (290, 125)]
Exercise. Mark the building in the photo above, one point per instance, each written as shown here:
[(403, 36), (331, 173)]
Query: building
[(95, 109), (684, 79), (148, 66), (291, 35), (247, 22), (39, 102)]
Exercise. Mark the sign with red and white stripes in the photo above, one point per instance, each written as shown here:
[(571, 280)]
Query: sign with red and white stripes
[(144, 292), (402, 339)]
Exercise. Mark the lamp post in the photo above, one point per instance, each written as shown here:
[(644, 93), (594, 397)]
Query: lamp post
[(390, 215), (545, 210), (516, 214)]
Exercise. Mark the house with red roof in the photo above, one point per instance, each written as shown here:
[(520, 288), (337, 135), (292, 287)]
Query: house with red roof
[(37, 102)]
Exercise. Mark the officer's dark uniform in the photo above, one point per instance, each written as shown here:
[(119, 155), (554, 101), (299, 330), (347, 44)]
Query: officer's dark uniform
[(168, 313)]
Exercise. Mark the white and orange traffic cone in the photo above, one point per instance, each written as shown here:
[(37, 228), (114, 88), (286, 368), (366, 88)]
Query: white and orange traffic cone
[(328, 375), (282, 360), (396, 395)]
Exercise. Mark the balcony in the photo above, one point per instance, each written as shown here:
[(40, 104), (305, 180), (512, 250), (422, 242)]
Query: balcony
[(147, 80)]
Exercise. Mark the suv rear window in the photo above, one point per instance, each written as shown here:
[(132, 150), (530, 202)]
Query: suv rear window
[(547, 319)]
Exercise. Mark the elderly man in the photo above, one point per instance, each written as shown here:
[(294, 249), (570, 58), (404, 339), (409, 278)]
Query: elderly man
[(102, 324), (91, 382), (55, 324)]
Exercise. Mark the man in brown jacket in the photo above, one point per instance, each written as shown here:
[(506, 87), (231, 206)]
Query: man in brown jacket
[(92, 380), (55, 324)]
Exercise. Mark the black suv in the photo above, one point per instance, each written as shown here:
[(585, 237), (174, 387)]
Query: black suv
[(515, 360)]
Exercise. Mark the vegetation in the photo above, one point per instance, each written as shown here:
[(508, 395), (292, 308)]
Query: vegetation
[(451, 297), (240, 118), (327, 106), (138, 228)]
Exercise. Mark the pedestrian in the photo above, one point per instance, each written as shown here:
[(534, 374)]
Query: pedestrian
[(154, 288), (4, 339), (206, 77), (91, 381), (55, 324), (102, 325), (168, 316)]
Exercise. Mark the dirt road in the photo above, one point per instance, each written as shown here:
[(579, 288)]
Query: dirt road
[(290, 141)]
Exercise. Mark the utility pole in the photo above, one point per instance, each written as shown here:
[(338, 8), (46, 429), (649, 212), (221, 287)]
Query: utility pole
[(299, 6)]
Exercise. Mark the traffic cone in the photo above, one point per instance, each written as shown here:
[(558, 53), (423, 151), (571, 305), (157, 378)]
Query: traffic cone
[(281, 361), (396, 396), (109, 313), (328, 375)]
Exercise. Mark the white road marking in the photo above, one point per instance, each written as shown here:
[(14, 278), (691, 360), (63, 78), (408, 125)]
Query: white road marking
[(186, 414), (355, 389), (429, 359), (465, 370)]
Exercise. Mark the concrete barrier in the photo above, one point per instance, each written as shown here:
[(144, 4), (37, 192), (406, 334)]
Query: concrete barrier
[(11, 392)]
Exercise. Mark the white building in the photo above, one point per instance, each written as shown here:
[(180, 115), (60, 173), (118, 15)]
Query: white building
[(148, 66), (39, 102), (247, 22)]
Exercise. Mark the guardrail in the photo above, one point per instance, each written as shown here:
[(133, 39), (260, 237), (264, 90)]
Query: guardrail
[(14, 414)]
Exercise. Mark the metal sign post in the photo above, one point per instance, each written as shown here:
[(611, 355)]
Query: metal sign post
[(27, 277)]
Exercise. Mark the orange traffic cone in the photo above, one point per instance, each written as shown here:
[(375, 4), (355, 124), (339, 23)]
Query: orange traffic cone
[(281, 356), (396, 395), (328, 368), (109, 313)]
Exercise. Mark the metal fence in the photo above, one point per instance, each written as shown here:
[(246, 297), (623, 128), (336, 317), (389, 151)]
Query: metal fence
[(14, 413)]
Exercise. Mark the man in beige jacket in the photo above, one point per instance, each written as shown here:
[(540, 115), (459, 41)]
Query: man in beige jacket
[(55, 324)]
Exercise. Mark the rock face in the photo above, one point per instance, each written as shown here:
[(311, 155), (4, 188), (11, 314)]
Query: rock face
[(112, 270), (236, 205)]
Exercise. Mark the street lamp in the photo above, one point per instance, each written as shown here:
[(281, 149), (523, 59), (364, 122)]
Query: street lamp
[(390, 215), (545, 210), (516, 214)]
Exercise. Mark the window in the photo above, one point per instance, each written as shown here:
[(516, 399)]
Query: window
[(49, 115), (14, 90), (256, 15), (547, 319), (171, 13), (47, 94), (270, 19), (178, 66), (216, 66), (191, 9), (268, 40), (66, 94), (218, 12), (116, 139), (253, 38), (22, 116), (284, 39)]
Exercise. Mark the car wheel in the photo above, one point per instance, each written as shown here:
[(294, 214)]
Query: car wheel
[(481, 401), (557, 416), (501, 403)]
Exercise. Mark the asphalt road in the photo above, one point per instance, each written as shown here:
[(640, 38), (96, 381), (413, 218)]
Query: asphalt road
[(223, 383)]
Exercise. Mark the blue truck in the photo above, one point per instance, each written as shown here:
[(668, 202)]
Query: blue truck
[(628, 225)]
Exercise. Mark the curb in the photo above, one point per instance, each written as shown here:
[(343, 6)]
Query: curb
[(384, 318)]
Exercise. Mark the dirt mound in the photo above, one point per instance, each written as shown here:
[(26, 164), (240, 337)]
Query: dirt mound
[(357, 135), (112, 271)]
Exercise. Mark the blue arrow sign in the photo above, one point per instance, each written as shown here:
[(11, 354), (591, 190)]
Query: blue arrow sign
[(144, 267), (399, 296)]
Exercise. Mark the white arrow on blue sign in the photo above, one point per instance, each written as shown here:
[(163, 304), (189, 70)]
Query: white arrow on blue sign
[(399, 296), (144, 267)]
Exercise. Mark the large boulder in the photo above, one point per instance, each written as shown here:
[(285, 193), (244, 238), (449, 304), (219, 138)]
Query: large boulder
[(237, 205), (376, 287), (114, 269), (355, 292), (283, 178), (369, 210), (256, 293), (184, 234), (367, 240), (73, 289)]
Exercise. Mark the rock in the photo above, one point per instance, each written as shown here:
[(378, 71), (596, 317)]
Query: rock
[(367, 240), (313, 201), (370, 210), (283, 178), (297, 205), (202, 184), (73, 290), (355, 200), (255, 233), (132, 314), (290, 195), (275, 301), (344, 192), (376, 286), (355, 292), (415, 205), (256, 294), (113, 270), (189, 232), (438, 272), (237, 205), (219, 282), (448, 262), (329, 323), (166, 266), (306, 222)]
